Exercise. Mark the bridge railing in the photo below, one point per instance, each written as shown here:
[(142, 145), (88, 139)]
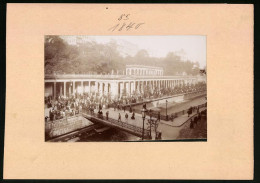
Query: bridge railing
[(118, 123), (194, 118), (49, 124)]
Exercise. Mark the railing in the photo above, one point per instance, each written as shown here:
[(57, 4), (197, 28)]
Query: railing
[(117, 123), (81, 76), (161, 98), (193, 117), (171, 116), (50, 123)]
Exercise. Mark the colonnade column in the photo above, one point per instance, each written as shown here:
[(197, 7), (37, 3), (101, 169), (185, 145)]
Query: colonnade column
[(64, 89), (73, 87), (60, 89), (105, 88), (132, 86), (82, 87), (121, 87), (114, 89), (96, 86), (137, 86), (89, 86), (142, 86), (54, 90)]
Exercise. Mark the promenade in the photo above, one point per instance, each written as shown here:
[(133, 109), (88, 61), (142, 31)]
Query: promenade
[(169, 129)]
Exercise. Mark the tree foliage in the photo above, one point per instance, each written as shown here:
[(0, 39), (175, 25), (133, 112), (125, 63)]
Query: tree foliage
[(95, 58)]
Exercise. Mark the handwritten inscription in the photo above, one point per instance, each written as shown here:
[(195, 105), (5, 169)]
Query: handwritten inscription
[(124, 24)]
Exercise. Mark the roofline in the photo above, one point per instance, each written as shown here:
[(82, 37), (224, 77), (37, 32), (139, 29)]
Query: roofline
[(144, 66)]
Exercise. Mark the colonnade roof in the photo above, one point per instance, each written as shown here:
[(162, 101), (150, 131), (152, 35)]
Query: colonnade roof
[(112, 77), (143, 67)]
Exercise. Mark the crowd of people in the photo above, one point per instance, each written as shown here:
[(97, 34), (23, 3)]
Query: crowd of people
[(194, 121), (74, 104), (162, 92), (62, 106)]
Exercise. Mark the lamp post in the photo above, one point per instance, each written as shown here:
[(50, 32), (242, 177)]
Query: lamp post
[(166, 111), (150, 124), (143, 116)]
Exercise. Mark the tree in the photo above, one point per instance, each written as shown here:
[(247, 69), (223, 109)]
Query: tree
[(97, 58)]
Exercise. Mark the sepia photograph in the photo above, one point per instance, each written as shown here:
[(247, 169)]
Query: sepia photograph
[(129, 86), (125, 88)]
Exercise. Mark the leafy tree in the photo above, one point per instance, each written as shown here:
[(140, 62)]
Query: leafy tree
[(95, 58)]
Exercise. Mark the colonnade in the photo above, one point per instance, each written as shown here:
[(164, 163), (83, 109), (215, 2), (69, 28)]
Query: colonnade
[(140, 70), (113, 87), (144, 72)]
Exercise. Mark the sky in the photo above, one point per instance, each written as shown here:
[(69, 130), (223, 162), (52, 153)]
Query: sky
[(190, 47)]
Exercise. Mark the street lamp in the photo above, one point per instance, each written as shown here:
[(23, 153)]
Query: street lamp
[(143, 116), (166, 111), (150, 123)]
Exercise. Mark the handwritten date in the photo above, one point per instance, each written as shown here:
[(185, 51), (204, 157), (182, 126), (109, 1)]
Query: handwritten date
[(125, 25)]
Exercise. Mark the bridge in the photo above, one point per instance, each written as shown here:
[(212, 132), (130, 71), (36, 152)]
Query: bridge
[(133, 127), (100, 119)]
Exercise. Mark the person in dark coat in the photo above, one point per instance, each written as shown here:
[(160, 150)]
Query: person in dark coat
[(119, 117), (126, 117), (114, 106), (107, 113), (51, 115), (191, 124), (172, 117), (144, 106), (133, 115), (189, 111), (159, 117), (195, 120), (199, 116), (130, 109), (100, 114)]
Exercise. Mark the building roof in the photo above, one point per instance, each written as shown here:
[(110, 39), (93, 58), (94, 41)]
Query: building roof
[(143, 66)]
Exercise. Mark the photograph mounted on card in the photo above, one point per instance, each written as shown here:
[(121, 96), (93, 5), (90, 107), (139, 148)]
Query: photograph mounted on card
[(96, 91)]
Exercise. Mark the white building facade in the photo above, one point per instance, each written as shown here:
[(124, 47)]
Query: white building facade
[(140, 70)]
